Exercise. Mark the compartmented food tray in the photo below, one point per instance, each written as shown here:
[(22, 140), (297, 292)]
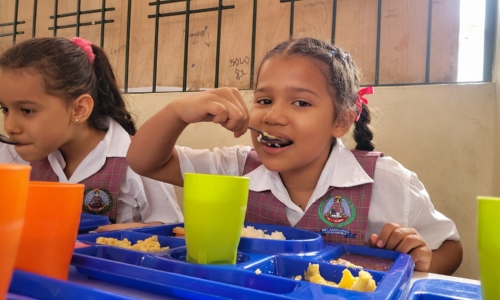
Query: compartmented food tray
[(26, 285), (264, 268), (439, 289), (90, 222)]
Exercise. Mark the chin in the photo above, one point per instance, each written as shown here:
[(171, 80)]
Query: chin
[(31, 157)]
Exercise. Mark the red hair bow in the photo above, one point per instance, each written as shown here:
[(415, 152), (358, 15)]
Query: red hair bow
[(364, 91), (86, 46)]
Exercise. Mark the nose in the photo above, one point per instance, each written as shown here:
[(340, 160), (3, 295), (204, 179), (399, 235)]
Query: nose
[(276, 114), (11, 126)]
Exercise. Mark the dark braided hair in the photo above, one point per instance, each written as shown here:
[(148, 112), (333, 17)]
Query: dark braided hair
[(68, 73), (343, 81)]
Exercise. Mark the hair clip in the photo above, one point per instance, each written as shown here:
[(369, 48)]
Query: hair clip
[(364, 91), (333, 53), (86, 46)]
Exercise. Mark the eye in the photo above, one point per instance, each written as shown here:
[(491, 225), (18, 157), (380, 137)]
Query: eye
[(27, 111), (301, 103), (4, 109), (264, 101)]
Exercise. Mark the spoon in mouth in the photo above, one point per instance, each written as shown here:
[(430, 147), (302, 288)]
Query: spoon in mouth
[(7, 140), (263, 133), (265, 136)]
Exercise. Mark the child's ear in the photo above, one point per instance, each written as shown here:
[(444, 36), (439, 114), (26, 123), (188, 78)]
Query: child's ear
[(82, 108), (342, 124)]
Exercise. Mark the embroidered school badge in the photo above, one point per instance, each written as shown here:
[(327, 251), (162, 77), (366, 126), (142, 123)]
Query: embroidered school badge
[(337, 212), (97, 201)]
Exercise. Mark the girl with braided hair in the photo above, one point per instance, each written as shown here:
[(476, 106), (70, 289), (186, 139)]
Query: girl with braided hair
[(307, 97)]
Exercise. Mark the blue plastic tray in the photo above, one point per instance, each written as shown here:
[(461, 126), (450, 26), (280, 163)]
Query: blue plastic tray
[(297, 240), (438, 289), (90, 222), (25, 285), (167, 272)]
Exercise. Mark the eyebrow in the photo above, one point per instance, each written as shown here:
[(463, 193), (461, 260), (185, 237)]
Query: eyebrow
[(25, 102), (288, 89)]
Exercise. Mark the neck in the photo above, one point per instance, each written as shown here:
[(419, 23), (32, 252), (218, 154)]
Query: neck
[(301, 184), (80, 145)]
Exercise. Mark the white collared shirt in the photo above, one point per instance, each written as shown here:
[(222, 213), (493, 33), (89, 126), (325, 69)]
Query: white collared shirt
[(141, 199), (396, 190)]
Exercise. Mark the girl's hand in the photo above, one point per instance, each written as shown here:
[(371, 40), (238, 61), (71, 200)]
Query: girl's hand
[(404, 239), (224, 106)]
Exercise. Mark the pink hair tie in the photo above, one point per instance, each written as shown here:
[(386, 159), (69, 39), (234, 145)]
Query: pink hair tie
[(86, 46), (364, 91)]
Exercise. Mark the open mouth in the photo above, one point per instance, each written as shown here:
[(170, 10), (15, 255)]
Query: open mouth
[(274, 141)]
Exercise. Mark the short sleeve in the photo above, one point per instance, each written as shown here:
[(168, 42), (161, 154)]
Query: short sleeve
[(146, 200), (398, 196)]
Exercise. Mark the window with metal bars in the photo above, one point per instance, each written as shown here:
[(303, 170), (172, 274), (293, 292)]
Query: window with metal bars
[(187, 45)]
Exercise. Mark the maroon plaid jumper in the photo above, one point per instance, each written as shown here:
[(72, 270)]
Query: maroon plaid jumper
[(109, 177), (264, 207)]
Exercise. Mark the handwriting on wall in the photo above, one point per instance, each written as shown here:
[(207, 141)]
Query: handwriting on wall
[(237, 62), (117, 50), (197, 35)]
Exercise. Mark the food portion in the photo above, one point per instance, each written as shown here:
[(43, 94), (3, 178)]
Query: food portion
[(344, 262), (363, 261), (150, 244), (363, 283), (273, 141), (248, 231), (251, 232)]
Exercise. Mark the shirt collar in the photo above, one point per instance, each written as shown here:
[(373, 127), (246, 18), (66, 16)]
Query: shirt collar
[(342, 169), (114, 144)]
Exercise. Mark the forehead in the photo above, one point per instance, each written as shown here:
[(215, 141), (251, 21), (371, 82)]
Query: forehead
[(18, 84), (294, 69)]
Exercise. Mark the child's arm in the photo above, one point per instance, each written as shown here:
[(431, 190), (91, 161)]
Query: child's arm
[(120, 226), (444, 260), (151, 152)]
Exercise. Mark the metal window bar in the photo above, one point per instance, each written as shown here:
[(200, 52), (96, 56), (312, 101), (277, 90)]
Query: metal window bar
[(127, 45), (252, 53), (187, 12), (377, 47), (13, 24), (33, 28), (489, 41), (489, 38), (78, 14), (78, 8), (334, 21)]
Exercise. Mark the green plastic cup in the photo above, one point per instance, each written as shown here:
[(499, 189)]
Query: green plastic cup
[(214, 213), (489, 245)]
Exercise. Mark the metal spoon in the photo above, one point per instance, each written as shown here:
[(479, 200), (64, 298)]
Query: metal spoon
[(7, 140), (264, 135)]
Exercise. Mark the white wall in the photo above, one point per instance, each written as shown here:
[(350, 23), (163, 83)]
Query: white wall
[(444, 133)]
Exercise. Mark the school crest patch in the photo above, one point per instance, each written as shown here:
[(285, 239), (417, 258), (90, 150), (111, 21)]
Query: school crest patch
[(337, 212), (97, 201)]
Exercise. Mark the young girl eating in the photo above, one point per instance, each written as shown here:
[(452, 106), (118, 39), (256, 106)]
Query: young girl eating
[(307, 97), (63, 110)]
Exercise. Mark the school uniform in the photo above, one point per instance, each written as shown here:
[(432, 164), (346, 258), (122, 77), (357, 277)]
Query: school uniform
[(396, 194), (9, 156), (111, 187)]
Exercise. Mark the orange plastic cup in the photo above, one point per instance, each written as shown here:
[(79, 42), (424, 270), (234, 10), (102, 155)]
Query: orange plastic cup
[(14, 188), (53, 212)]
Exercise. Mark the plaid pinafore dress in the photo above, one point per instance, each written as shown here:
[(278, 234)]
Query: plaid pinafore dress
[(340, 215)]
